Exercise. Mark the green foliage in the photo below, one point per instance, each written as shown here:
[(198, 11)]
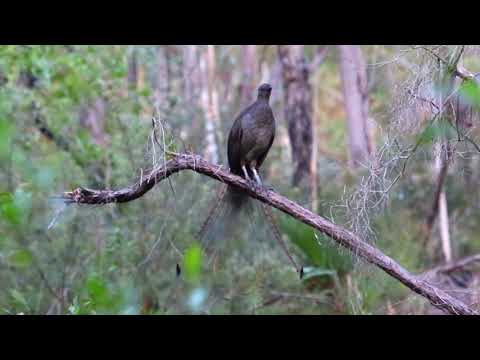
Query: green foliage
[(7, 130), (100, 296), (21, 258), (15, 208), (324, 257), (470, 93), (192, 263), (435, 130), (121, 258)]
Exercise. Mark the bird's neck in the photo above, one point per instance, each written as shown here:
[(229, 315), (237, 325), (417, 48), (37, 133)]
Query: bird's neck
[(263, 100)]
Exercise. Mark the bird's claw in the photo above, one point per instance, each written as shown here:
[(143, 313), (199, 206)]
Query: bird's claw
[(269, 188), (254, 185)]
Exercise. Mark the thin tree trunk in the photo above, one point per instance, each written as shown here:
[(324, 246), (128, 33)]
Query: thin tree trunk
[(209, 102), (132, 76), (163, 78), (190, 73), (443, 209), (249, 74), (317, 60), (355, 94), (441, 176), (298, 110), (92, 117), (314, 167)]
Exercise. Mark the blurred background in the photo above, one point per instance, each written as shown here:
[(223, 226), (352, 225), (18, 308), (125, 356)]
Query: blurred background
[(379, 139)]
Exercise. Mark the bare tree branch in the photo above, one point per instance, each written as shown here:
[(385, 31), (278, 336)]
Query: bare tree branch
[(456, 265), (342, 236)]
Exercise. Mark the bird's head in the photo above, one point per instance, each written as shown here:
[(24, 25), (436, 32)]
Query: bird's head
[(264, 91)]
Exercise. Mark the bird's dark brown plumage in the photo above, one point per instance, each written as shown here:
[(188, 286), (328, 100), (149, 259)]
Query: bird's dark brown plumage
[(252, 134), (249, 142)]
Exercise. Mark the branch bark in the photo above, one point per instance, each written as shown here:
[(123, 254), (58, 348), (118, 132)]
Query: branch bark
[(342, 236)]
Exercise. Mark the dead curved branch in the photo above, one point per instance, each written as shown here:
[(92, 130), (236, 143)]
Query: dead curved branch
[(342, 236)]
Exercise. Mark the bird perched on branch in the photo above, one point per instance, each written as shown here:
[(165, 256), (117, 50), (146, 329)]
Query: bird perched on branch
[(249, 142), (251, 136)]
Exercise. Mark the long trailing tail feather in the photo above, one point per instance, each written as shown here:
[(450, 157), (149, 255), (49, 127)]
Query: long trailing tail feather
[(213, 209), (237, 199), (276, 234)]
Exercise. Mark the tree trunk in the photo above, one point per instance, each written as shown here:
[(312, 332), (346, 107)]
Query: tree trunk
[(355, 92), (162, 86), (209, 102), (440, 161), (298, 110), (249, 74), (445, 84), (132, 76), (190, 73), (93, 117)]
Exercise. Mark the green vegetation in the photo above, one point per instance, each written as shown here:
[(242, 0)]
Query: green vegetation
[(122, 258)]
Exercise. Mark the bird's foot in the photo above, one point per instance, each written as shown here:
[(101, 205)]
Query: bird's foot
[(268, 187), (254, 185)]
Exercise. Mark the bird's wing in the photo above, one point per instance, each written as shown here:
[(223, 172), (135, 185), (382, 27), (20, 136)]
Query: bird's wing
[(234, 150), (234, 146), (264, 154), (267, 149)]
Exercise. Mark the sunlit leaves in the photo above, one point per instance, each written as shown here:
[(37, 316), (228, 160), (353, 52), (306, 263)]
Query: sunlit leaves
[(192, 263), (100, 296), (103, 297)]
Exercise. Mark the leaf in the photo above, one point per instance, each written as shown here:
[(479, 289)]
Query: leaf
[(7, 129), (470, 92), (10, 211), (98, 291), (192, 263), (21, 258), (320, 252), (436, 130), (15, 208), (18, 297), (310, 272)]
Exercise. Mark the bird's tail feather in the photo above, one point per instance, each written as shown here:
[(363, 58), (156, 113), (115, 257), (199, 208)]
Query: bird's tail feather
[(236, 198)]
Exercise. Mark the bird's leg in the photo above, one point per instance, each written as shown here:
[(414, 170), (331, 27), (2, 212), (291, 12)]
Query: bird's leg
[(247, 177), (258, 182), (245, 172), (256, 176)]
